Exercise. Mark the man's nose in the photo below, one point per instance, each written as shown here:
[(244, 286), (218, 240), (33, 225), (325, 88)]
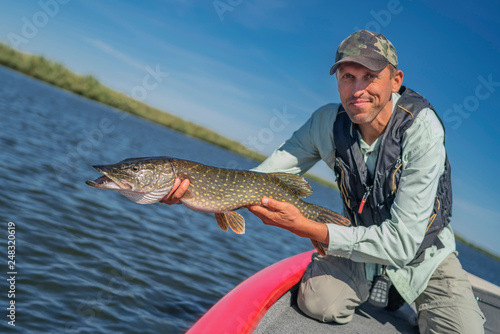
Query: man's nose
[(359, 87)]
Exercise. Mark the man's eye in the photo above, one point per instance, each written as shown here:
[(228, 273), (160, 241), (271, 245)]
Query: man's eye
[(372, 76), (347, 76)]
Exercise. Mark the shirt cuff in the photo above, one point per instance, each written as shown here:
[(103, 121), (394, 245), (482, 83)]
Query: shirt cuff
[(341, 240)]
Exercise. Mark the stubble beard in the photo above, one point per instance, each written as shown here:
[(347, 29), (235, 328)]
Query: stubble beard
[(361, 117)]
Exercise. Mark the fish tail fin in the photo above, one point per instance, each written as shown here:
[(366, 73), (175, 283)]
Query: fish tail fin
[(232, 219), (327, 216)]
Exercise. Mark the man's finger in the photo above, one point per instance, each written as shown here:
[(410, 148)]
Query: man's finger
[(184, 185), (167, 198), (274, 205), (177, 191), (177, 182), (257, 209)]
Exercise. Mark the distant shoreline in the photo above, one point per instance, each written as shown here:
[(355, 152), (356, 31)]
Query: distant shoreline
[(88, 86), (482, 250)]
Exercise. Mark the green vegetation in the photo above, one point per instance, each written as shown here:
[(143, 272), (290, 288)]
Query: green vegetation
[(88, 86)]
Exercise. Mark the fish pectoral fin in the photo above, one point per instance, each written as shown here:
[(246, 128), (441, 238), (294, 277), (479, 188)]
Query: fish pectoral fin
[(235, 221), (222, 221), (187, 195), (319, 247), (297, 184)]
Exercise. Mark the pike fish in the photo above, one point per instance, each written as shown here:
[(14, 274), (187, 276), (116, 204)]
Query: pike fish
[(211, 189)]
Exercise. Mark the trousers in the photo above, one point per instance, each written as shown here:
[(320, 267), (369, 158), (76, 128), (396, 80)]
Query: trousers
[(332, 288)]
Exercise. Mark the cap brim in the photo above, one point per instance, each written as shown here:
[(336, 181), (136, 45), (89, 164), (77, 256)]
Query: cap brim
[(370, 63)]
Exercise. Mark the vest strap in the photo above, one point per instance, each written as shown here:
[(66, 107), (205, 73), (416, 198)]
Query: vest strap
[(368, 200)]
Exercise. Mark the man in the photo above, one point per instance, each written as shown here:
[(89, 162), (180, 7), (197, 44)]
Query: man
[(386, 146)]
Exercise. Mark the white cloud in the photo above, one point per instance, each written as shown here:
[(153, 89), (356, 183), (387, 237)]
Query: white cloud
[(111, 51)]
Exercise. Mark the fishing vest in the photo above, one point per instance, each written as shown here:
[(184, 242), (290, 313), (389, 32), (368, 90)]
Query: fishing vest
[(369, 200)]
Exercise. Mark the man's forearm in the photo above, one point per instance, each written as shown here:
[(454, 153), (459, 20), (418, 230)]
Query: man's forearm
[(311, 229)]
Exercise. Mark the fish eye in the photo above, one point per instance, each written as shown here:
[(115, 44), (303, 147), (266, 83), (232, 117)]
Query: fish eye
[(135, 168)]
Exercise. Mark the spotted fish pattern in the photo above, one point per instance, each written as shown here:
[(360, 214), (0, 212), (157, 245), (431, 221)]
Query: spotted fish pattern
[(212, 189)]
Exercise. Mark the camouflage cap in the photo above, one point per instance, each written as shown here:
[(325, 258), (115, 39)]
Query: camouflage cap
[(370, 49)]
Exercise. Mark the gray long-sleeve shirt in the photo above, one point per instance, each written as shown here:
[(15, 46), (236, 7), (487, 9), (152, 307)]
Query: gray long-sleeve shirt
[(395, 242)]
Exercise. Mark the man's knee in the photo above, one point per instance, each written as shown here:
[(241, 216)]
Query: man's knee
[(331, 306), (331, 289)]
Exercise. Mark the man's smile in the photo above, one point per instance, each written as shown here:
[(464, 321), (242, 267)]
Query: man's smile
[(360, 103)]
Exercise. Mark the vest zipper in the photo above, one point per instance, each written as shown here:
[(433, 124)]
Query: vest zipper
[(365, 196)]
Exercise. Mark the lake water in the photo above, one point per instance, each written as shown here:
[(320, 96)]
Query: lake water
[(91, 261)]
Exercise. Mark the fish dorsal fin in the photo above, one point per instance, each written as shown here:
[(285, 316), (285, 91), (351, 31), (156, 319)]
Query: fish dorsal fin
[(296, 183)]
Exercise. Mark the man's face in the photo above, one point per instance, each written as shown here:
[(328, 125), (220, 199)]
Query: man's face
[(365, 93)]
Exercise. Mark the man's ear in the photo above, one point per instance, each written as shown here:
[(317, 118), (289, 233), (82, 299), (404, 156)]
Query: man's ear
[(397, 81)]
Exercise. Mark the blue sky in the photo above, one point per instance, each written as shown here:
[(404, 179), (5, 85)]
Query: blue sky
[(254, 70)]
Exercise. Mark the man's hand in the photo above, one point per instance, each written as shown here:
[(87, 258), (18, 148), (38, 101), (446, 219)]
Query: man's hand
[(178, 190), (287, 216), (276, 213)]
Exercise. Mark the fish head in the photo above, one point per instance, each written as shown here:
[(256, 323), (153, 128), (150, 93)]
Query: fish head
[(142, 180)]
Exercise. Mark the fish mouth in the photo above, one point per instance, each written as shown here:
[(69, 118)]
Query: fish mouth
[(107, 182)]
